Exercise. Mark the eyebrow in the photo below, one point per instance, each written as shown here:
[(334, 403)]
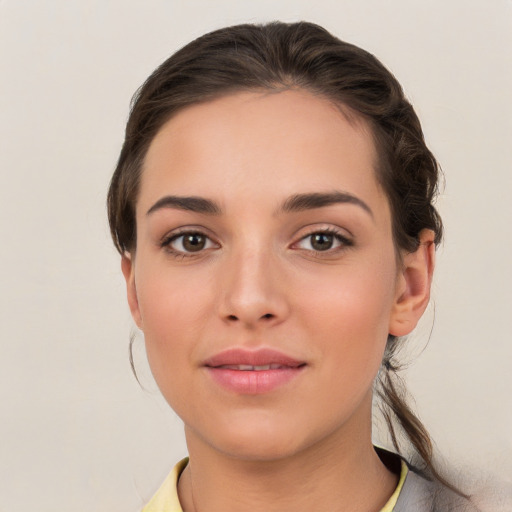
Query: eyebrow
[(190, 203), (301, 202), (295, 203)]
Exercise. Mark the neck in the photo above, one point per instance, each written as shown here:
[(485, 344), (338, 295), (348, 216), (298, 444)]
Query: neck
[(342, 473)]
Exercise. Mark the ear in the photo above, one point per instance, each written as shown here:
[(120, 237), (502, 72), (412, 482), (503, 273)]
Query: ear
[(413, 286), (128, 268)]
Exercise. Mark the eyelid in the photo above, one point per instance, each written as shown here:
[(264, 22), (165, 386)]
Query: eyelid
[(344, 240), (166, 241), (208, 241)]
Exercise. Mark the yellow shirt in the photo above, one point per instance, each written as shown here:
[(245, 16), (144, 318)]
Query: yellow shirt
[(166, 498)]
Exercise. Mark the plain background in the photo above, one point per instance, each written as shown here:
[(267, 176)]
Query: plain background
[(77, 433)]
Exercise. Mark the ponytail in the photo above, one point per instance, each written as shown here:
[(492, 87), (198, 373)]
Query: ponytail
[(395, 408)]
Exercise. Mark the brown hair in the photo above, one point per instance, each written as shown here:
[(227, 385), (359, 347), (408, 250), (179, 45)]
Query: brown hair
[(277, 56)]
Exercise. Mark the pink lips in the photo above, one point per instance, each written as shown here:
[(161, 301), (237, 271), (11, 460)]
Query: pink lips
[(253, 372)]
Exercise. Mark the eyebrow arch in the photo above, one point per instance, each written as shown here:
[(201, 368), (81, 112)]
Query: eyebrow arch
[(190, 203), (301, 202)]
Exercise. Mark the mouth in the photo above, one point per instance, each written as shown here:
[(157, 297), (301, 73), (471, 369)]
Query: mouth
[(250, 368), (253, 372), (252, 360)]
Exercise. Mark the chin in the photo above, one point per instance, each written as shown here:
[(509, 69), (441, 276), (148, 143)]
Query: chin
[(254, 438)]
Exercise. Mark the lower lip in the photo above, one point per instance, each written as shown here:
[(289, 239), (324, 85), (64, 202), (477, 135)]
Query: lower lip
[(253, 382)]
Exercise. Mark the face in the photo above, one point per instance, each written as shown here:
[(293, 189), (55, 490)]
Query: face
[(265, 277)]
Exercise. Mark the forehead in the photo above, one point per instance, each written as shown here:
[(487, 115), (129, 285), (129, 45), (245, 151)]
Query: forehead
[(260, 143)]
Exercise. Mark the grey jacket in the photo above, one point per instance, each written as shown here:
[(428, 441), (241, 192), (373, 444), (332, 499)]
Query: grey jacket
[(421, 494)]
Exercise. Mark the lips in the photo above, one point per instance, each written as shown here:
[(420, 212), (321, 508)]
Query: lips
[(253, 372), (250, 368), (253, 358)]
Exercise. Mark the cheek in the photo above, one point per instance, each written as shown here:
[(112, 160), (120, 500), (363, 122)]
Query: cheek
[(174, 309), (348, 314), (355, 298)]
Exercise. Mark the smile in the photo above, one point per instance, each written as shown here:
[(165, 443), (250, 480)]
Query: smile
[(249, 368), (253, 372)]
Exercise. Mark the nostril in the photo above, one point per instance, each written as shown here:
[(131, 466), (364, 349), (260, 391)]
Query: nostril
[(235, 318)]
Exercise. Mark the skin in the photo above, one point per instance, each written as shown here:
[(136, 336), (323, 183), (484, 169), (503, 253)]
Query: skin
[(259, 282)]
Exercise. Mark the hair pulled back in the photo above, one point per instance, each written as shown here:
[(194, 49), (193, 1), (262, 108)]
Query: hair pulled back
[(278, 56)]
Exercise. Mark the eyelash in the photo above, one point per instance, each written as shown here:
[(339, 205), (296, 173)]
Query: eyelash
[(341, 239), (167, 241)]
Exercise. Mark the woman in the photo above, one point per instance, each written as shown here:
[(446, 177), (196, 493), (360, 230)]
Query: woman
[(273, 207)]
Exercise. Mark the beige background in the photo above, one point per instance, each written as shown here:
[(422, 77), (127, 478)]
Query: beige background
[(76, 431)]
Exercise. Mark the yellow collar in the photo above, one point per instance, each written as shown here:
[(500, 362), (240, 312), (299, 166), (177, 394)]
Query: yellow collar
[(166, 498)]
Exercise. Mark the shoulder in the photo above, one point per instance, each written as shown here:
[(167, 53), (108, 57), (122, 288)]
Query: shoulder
[(422, 493), (166, 498)]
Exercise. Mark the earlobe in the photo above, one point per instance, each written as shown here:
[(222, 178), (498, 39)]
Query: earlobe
[(127, 267), (413, 286)]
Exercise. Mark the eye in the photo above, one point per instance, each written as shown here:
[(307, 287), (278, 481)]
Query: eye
[(190, 242), (322, 241)]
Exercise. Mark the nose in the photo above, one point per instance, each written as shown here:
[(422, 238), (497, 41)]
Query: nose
[(252, 288)]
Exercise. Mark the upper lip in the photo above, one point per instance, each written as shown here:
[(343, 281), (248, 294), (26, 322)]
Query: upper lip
[(259, 357)]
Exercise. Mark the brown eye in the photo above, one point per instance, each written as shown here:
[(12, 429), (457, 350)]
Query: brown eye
[(322, 241), (188, 243), (194, 242)]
